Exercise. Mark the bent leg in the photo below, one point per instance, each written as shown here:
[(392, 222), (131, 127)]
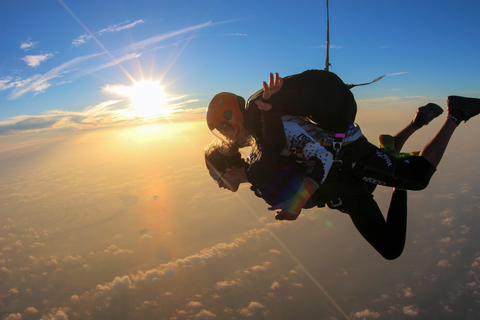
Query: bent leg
[(434, 150), (386, 236), (424, 115)]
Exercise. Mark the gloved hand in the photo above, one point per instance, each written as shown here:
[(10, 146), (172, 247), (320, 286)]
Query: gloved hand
[(281, 215), (288, 211)]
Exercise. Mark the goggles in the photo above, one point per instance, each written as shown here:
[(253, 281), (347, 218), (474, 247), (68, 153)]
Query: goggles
[(217, 181)]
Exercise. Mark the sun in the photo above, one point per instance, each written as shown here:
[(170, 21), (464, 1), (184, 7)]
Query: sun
[(147, 98)]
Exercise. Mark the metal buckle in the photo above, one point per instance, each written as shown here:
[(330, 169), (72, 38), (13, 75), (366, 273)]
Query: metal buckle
[(338, 202), (337, 141), (337, 145), (337, 163)]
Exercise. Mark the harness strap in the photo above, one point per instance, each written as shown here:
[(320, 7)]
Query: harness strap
[(337, 163)]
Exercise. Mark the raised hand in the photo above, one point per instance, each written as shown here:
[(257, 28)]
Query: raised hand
[(274, 85)]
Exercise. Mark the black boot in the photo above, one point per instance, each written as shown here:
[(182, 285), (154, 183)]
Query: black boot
[(462, 108), (426, 114)]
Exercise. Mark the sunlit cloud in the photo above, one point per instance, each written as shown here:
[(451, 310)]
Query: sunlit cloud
[(104, 114), (253, 309), (35, 60), (204, 315), (366, 314)]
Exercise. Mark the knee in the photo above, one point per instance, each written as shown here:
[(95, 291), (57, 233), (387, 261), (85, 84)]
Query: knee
[(392, 253), (421, 183)]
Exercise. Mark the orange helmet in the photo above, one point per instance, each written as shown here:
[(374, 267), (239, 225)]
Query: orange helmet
[(226, 107)]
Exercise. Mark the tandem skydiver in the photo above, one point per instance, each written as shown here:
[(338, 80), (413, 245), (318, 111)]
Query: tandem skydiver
[(346, 192)]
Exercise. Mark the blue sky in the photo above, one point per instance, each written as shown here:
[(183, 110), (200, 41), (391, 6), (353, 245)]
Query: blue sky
[(58, 58)]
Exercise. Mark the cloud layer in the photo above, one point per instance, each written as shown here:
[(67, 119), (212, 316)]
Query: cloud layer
[(125, 223)]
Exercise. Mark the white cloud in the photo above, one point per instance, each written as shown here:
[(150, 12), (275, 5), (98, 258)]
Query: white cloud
[(27, 45), (13, 291), (56, 315), (35, 60), (448, 221), (81, 40), (446, 240), (226, 284), (194, 304), (443, 263), (366, 314), (275, 252), (407, 293), (204, 315), (31, 310), (14, 316), (410, 311), (259, 268), (6, 83)]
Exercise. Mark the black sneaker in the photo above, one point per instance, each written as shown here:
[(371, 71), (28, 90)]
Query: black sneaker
[(426, 114), (462, 108)]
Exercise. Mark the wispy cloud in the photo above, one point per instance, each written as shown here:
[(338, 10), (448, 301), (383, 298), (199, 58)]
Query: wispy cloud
[(397, 73), (332, 46), (35, 60), (236, 34), (114, 28), (121, 26), (114, 62), (155, 39), (39, 83)]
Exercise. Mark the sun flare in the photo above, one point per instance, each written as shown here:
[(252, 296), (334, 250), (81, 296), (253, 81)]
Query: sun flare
[(147, 98)]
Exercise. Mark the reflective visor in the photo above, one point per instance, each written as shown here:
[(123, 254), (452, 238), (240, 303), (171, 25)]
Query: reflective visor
[(224, 128)]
